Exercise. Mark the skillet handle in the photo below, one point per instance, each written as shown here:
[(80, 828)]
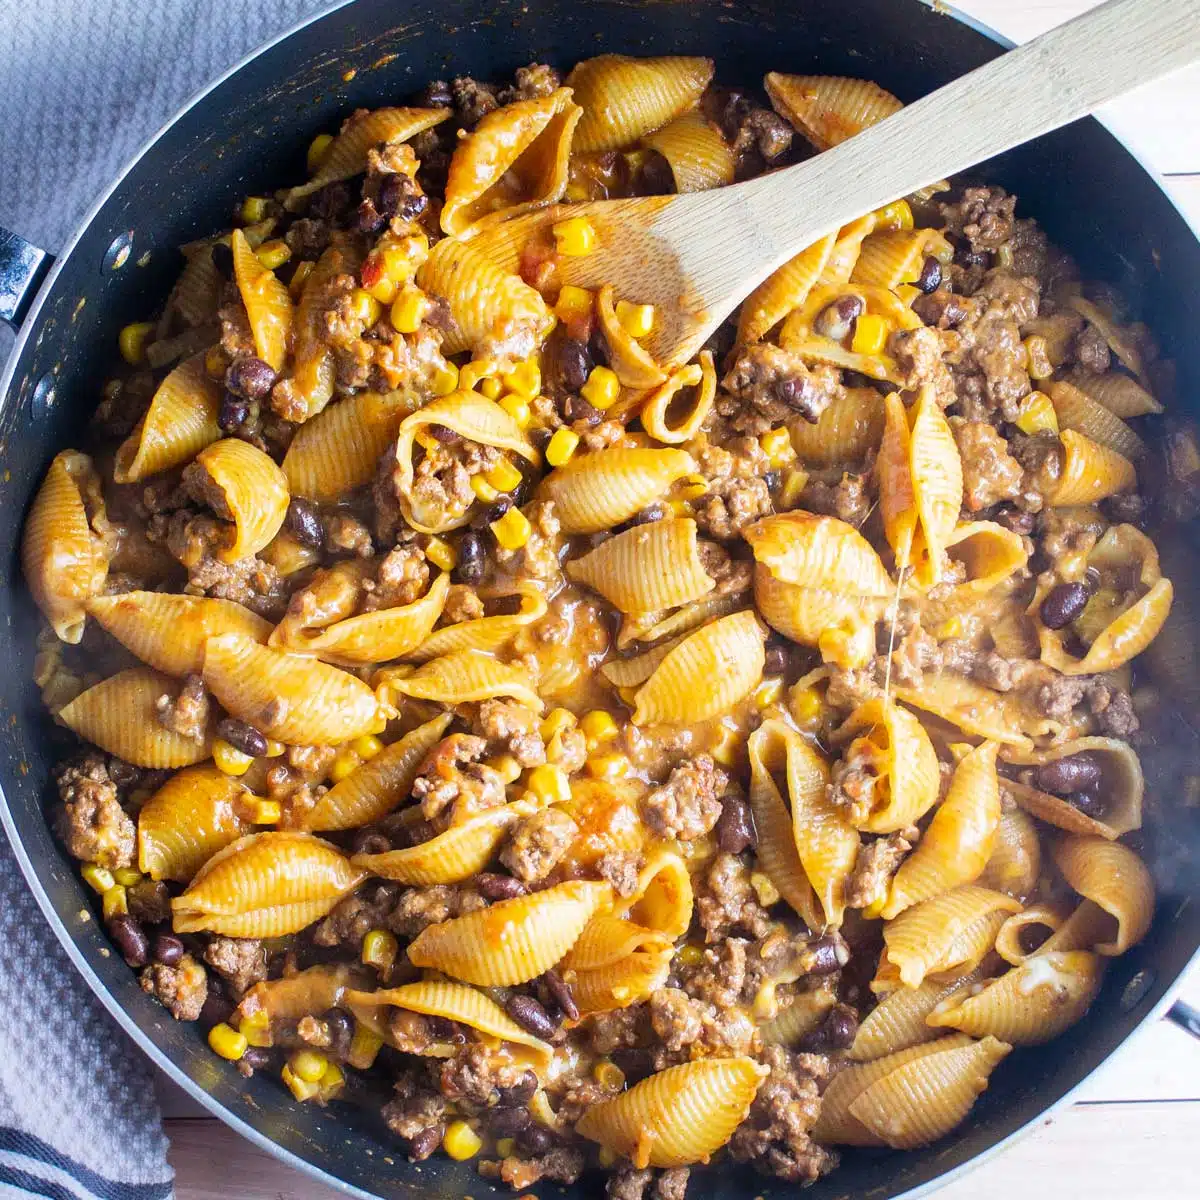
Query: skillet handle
[(1185, 1016), (23, 266)]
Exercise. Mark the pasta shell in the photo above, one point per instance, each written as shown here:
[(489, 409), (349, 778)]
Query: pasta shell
[(1077, 410), (781, 292), (460, 852), (347, 154), (64, 561), (989, 554), (486, 633), (609, 821), (596, 491), (978, 710), (1011, 941), (661, 630), (608, 939), (663, 414), (1029, 1005), (850, 427), (662, 900), (897, 1022), (1112, 877), (381, 784), (464, 677), (828, 109), (626, 98), (821, 350), (180, 422), (514, 158), (1090, 472), (1119, 340), (633, 365), (698, 155), (120, 717), (338, 449), (169, 630), (619, 984), (513, 941), (682, 1115), (1016, 862), (1122, 396), (197, 292), (646, 568), (959, 840), (891, 257), (308, 993), (192, 816), (922, 940), (455, 1002), (268, 305), (923, 1100), (265, 885), (891, 740), (843, 258), (804, 1015), (295, 700), (706, 674), (254, 494), (486, 302), (472, 416)]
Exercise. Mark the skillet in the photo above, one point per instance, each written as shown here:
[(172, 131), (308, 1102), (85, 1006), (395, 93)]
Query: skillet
[(248, 133)]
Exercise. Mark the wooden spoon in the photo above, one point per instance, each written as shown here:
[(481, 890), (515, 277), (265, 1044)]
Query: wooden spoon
[(695, 257)]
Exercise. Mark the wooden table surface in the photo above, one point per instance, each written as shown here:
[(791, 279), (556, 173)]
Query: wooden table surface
[(1131, 1135)]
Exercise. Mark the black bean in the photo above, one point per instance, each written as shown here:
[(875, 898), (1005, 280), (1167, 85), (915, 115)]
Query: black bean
[(777, 659), (442, 1029), (243, 737), (304, 522), (529, 1014), (507, 1122), (444, 434), (735, 825), (520, 1092), (250, 377), (422, 1145), (368, 219), (233, 412), (574, 364), (576, 408), (598, 347), (435, 95), (494, 886), (330, 202), (412, 205), (340, 1025), (841, 1027), (560, 992), (1063, 604), (167, 949), (258, 1058), (472, 559), (647, 516), (222, 257), (497, 510), (1015, 520), (635, 1064), (217, 1006), (1066, 776), (800, 393), (930, 278), (657, 178), (535, 1139), (966, 256), (826, 954), (836, 320), (772, 479), (131, 939), (391, 192)]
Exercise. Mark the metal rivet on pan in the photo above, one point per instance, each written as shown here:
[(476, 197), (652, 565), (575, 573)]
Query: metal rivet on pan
[(117, 254), (1136, 989), (43, 396)]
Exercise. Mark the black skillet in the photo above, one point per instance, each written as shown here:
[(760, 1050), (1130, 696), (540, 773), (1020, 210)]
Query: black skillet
[(247, 134)]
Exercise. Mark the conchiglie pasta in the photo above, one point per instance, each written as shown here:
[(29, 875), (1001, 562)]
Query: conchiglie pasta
[(308, 993), (662, 899), (1004, 717), (1122, 395), (464, 677), (673, 421), (512, 941), (898, 1022), (850, 427), (1015, 865), (253, 495), (293, 699), (828, 109), (488, 634), (597, 491), (625, 98), (695, 150), (1120, 340), (168, 630), (891, 257), (659, 630), (804, 1015), (682, 1115), (989, 555), (1017, 939), (619, 984), (632, 364), (1114, 879), (65, 562), (191, 817), (708, 672), (784, 290), (268, 305), (1077, 410), (120, 716), (1090, 472), (180, 422), (608, 939)]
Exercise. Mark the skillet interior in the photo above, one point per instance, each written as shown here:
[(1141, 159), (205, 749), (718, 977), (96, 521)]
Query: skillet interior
[(249, 135)]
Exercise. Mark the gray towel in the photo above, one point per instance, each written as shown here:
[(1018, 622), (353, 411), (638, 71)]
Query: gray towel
[(82, 85)]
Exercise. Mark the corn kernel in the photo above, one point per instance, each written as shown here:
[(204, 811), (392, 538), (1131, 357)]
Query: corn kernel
[(274, 749), (379, 949), (254, 208), (870, 334), (300, 278), (1004, 256), (609, 1075), (690, 955), (574, 237), (767, 693), (504, 476), (493, 389), (98, 878), (727, 749), (607, 1157), (525, 379), (229, 759), (385, 290), (482, 489), (953, 628), (444, 380), (474, 371), (128, 876), (765, 1004), (365, 307), (795, 480), (115, 902), (345, 762), (273, 254), (805, 705), (908, 293), (556, 721), (216, 362), (317, 149), (875, 908), (849, 649), (366, 746), (692, 487), (777, 446), (506, 767), (897, 215), (441, 554), (267, 812), (517, 407), (255, 1027), (302, 1089), (460, 1141), (574, 304), (512, 530), (308, 1065), (1037, 414), (766, 891), (636, 319), (602, 388), (227, 1041), (561, 447), (628, 696), (364, 1047), (332, 1079), (505, 1147), (1037, 357), (598, 726), (549, 784), (131, 341), (409, 310), (608, 766)]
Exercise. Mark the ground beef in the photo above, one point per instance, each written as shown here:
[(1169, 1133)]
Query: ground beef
[(878, 860), (241, 962), (420, 907), (774, 1137), (985, 666), (621, 868), (345, 534), (620, 1029), (539, 557), (918, 354), (688, 804), (532, 83), (475, 1074), (999, 355), (768, 385), (990, 473), (182, 989), (721, 977), (627, 1182), (462, 604), (737, 494), (538, 843), (417, 1111), (453, 785), (308, 238), (686, 1029), (726, 901), (1056, 696), (1068, 533), (1091, 350), (983, 216), (1042, 457), (563, 1164), (1113, 709), (472, 100), (354, 916), (149, 902), (848, 499), (187, 713), (1003, 293), (511, 728), (852, 784), (92, 824)]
